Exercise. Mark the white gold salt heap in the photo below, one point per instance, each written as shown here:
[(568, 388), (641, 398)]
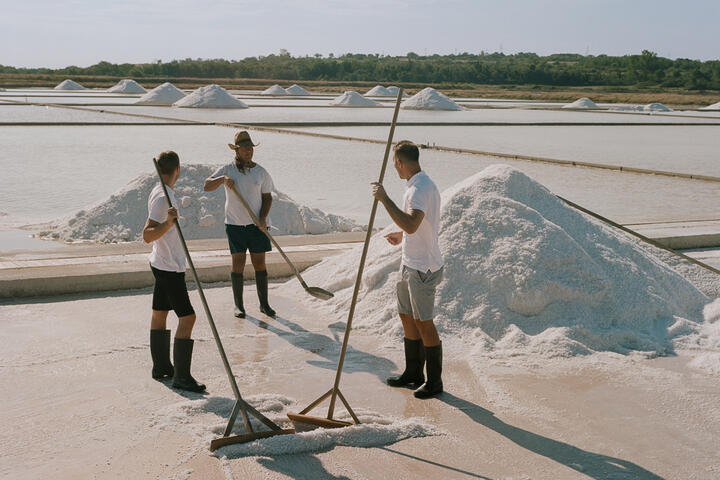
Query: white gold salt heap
[(714, 106), (127, 86), (525, 275), (210, 96), (296, 90), (583, 103), (656, 107), (274, 90), (353, 99), (165, 94), (429, 99), (393, 91), (69, 85), (378, 91)]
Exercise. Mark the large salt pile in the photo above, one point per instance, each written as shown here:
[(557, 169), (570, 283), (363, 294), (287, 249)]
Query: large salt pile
[(429, 99), (581, 103), (127, 86), (121, 217), (353, 99), (393, 91), (656, 107), (714, 106), (296, 90), (69, 85), (210, 96), (525, 275), (165, 94), (378, 91), (274, 90)]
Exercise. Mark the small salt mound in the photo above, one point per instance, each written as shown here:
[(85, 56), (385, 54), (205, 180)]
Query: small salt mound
[(656, 107), (581, 103), (210, 96), (393, 91), (714, 106), (165, 94), (274, 90), (525, 275), (296, 90), (429, 99), (627, 108), (69, 85), (121, 217), (127, 86), (353, 99), (378, 91)]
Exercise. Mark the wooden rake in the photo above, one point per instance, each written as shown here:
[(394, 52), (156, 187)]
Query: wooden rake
[(316, 292), (301, 420), (241, 406)]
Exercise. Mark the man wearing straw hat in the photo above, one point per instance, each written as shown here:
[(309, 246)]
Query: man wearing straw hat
[(167, 262), (255, 185), (421, 270)]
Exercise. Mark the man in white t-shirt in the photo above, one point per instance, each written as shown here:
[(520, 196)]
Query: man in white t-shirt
[(255, 185), (167, 262), (421, 269)]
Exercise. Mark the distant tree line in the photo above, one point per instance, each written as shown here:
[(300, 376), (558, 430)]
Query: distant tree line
[(646, 69)]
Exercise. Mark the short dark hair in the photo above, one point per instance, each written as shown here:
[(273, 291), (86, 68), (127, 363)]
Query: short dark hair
[(168, 161), (407, 151)]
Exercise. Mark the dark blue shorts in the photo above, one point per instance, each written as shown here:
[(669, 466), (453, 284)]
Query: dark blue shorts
[(247, 237), (171, 293)]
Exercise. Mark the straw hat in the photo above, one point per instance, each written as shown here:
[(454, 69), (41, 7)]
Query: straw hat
[(242, 139)]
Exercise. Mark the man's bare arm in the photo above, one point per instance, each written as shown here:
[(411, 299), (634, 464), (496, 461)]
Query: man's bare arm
[(154, 230), (408, 222)]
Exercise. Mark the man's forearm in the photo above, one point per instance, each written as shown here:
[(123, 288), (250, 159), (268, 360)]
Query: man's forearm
[(401, 219), (265, 207), (212, 184)]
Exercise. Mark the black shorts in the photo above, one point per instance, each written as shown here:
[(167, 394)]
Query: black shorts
[(171, 293), (247, 237)]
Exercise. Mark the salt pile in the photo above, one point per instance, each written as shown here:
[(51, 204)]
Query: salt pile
[(581, 103), (378, 91), (393, 91), (127, 86), (121, 217), (525, 275), (429, 99), (274, 90), (296, 90), (714, 106), (210, 96), (656, 107), (353, 99), (165, 94), (69, 85), (206, 418)]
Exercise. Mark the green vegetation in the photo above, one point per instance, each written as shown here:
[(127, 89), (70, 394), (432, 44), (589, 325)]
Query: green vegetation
[(565, 70)]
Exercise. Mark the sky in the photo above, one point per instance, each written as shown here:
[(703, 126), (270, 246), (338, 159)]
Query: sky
[(54, 33)]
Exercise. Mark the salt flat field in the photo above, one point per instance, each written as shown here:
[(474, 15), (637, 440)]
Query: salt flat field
[(73, 167)]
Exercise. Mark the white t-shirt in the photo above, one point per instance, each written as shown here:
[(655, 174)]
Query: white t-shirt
[(167, 252), (251, 185), (420, 250)]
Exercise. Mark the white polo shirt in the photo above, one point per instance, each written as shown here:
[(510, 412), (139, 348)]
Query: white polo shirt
[(420, 250), (251, 185), (167, 251)]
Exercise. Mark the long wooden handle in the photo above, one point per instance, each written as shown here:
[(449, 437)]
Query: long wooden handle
[(358, 280)]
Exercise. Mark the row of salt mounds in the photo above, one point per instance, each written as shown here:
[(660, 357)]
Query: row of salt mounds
[(274, 90), (429, 99), (583, 103), (210, 96), (69, 85), (525, 275), (127, 86), (714, 106), (353, 99), (121, 217), (296, 90), (165, 94)]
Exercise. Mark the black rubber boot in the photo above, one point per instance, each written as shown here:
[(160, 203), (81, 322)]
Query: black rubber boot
[(414, 364), (182, 355), (261, 280), (160, 352), (433, 385), (237, 288)]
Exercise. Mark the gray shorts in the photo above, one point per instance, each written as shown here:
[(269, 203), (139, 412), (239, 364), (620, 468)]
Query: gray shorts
[(416, 292)]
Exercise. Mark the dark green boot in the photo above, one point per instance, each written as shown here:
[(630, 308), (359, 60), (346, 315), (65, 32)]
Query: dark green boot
[(433, 361), (182, 355), (160, 353), (261, 280), (414, 364), (237, 288)]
